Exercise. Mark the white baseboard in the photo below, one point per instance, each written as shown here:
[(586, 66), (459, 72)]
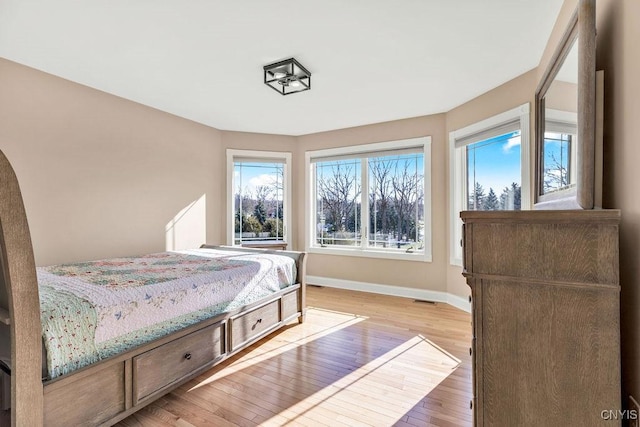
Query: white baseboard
[(459, 302), (398, 291)]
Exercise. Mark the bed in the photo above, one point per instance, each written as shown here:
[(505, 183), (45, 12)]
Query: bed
[(91, 343)]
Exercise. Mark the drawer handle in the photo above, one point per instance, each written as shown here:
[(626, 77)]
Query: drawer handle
[(471, 404), (187, 356), (470, 351), (256, 324)]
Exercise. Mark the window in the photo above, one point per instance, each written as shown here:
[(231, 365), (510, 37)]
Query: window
[(559, 151), (493, 173), (258, 196), (371, 200), (489, 164), (558, 170)]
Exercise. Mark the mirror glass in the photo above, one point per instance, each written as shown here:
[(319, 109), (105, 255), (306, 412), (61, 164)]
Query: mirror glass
[(559, 155)]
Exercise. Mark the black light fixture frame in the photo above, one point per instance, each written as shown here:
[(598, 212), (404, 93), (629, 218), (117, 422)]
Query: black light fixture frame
[(294, 72)]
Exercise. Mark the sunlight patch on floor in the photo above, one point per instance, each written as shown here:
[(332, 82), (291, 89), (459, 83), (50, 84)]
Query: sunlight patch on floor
[(402, 377), (341, 371), (320, 323)]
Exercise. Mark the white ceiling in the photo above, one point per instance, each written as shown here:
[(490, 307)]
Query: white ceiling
[(371, 60)]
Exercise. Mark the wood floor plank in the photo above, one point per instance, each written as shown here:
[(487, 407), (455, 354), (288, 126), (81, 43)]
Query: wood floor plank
[(359, 359)]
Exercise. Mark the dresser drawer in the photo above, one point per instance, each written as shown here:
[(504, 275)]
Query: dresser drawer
[(249, 325), (175, 360)]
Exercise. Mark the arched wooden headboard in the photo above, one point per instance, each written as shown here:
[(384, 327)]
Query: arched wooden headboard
[(19, 296)]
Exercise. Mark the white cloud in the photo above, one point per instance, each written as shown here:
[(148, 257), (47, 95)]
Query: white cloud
[(250, 187), (264, 179), (511, 142)]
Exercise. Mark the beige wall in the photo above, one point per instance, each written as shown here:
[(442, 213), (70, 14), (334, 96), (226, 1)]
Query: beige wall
[(618, 23), (411, 274), (113, 176), (562, 96), (102, 176)]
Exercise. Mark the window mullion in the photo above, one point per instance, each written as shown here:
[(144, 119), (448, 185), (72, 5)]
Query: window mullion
[(364, 203)]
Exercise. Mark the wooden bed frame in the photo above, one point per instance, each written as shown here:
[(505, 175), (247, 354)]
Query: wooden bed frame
[(110, 390)]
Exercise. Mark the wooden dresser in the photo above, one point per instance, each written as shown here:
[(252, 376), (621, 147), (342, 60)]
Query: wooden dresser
[(546, 320)]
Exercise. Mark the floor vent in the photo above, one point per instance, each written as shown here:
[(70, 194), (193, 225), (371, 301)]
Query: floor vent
[(315, 286), (424, 301)]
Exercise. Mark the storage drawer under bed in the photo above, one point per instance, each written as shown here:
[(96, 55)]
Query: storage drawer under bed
[(290, 305), (171, 362), (249, 325)]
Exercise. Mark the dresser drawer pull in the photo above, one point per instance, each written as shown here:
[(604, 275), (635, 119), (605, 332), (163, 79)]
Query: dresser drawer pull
[(470, 351), (256, 324), (471, 404), (469, 299), (187, 356)]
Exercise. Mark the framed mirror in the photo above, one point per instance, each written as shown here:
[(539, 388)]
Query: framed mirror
[(565, 118)]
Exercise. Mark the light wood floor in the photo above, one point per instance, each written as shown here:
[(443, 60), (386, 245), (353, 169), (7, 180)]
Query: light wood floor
[(359, 360)]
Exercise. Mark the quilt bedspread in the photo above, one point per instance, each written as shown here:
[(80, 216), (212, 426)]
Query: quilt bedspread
[(93, 310)]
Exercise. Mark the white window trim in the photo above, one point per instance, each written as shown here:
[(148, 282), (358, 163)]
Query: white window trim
[(286, 204), (457, 177), (425, 256)]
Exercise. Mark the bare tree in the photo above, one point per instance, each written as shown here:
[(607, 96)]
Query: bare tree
[(339, 193), (263, 192), (556, 176), (381, 196), (405, 185)]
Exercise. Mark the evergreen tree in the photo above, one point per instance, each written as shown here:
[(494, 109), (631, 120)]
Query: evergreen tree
[(510, 199), (491, 203), (505, 198), (273, 226), (259, 212), (517, 198), (251, 225), (239, 221), (476, 199)]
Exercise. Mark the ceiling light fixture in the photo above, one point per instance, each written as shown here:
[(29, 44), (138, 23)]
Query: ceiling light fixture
[(287, 77)]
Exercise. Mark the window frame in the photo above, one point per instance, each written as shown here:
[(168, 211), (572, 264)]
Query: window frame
[(458, 172), (267, 156), (365, 251)]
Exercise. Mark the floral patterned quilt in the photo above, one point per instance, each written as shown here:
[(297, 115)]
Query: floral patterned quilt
[(93, 310)]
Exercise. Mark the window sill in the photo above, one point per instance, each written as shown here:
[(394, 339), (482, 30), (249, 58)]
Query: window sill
[(369, 253)]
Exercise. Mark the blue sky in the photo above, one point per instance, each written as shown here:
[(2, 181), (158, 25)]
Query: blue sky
[(497, 162), (255, 174)]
